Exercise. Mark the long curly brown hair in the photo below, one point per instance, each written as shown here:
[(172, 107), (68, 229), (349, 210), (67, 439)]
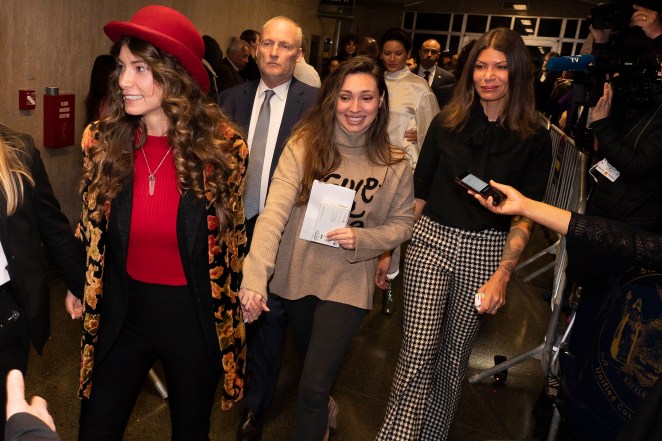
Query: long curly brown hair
[(315, 131), (519, 114), (194, 133)]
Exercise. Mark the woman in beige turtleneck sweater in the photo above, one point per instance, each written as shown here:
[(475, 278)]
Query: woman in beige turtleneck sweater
[(328, 291)]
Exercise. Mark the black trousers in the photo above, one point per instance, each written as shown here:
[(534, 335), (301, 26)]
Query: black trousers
[(160, 324), (265, 340), (14, 344), (323, 331)]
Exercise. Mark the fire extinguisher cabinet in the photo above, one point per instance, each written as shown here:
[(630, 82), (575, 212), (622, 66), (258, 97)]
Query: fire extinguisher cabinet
[(59, 120)]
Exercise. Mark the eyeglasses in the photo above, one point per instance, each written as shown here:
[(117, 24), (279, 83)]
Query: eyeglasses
[(268, 44), (430, 51)]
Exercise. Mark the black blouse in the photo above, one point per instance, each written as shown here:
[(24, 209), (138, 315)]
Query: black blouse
[(487, 150)]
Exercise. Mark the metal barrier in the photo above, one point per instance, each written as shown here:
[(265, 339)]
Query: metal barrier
[(566, 179), (566, 189)]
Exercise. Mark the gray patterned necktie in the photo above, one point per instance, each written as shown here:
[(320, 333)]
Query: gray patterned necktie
[(256, 158)]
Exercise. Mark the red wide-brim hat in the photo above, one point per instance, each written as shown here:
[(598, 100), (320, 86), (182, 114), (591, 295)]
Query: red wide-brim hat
[(171, 32)]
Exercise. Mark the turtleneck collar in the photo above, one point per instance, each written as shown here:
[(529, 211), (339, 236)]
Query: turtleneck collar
[(399, 74), (348, 140)]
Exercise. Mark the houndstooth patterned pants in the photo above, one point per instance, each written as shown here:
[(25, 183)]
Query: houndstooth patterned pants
[(444, 267)]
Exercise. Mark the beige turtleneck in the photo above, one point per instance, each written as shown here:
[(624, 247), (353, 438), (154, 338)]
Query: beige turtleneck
[(383, 217)]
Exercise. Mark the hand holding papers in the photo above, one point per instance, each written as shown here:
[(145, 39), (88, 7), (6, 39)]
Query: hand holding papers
[(328, 208)]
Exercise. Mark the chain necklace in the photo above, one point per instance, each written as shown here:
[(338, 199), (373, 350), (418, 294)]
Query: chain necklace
[(151, 178)]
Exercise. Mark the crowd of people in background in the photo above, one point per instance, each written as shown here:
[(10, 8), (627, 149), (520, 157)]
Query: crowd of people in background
[(211, 164)]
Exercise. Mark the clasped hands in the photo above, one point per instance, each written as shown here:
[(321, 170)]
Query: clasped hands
[(252, 304)]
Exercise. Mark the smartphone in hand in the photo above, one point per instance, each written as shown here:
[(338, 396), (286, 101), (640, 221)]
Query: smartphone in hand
[(475, 184)]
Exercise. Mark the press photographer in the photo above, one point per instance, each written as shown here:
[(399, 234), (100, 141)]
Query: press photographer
[(612, 360), (627, 119)]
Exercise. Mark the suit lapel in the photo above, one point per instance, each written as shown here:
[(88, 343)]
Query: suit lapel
[(247, 102), (291, 115)]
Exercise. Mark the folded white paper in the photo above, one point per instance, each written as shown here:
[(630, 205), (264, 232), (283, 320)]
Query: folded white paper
[(328, 208)]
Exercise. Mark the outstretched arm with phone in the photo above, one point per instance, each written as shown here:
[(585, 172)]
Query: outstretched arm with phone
[(517, 204), (608, 238)]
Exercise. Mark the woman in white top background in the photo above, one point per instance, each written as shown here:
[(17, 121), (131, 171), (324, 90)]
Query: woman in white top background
[(411, 101), (412, 106)]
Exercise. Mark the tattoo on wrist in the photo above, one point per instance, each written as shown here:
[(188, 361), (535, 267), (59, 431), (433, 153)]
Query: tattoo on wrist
[(506, 267)]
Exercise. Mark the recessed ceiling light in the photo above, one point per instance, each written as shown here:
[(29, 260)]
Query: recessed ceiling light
[(526, 22), (517, 6), (529, 30)]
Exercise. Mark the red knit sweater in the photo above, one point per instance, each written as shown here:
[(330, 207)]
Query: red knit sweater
[(153, 255)]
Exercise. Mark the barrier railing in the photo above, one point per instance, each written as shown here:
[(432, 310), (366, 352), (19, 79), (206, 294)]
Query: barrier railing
[(565, 181), (565, 189)]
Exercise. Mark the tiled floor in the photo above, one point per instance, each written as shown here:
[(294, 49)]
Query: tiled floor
[(486, 412)]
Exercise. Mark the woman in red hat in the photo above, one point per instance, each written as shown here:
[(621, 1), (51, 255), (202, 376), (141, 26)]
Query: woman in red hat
[(162, 223)]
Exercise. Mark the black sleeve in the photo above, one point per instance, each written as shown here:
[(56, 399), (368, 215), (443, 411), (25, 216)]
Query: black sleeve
[(27, 427), (54, 228), (631, 162), (614, 241), (536, 172)]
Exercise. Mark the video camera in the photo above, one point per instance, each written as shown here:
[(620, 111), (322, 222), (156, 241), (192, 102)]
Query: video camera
[(633, 74), (625, 62), (611, 15)]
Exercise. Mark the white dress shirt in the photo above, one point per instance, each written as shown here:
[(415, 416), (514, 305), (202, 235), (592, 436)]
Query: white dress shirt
[(412, 106), (432, 71), (277, 105)]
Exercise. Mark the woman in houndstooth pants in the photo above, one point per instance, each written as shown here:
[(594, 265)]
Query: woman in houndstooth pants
[(458, 249)]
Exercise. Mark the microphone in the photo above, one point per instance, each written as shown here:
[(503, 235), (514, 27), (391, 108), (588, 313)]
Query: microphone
[(576, 63)]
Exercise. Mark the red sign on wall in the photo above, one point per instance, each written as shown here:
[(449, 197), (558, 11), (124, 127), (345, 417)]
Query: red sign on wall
[(59, 120)]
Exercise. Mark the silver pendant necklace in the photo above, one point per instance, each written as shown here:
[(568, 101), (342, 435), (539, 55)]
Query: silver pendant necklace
[(151, 178)]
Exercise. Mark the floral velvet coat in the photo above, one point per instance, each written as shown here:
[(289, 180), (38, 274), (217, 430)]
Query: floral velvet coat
[(226, 251)]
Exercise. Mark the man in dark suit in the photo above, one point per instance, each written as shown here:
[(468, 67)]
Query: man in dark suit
[(289, 99), (236, 57), (433, 74), (30, 220)]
